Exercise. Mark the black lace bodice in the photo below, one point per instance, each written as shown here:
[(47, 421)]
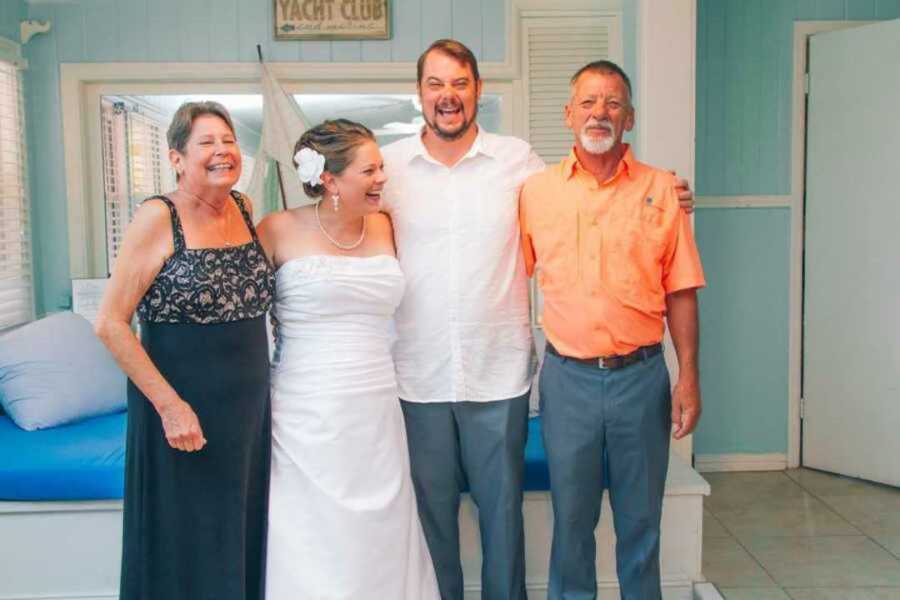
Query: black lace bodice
[(210, 285)]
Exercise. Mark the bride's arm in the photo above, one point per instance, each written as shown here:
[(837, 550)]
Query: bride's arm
[(268, 231)]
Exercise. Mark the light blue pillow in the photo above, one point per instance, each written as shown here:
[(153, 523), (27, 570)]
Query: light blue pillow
[(56, 371)]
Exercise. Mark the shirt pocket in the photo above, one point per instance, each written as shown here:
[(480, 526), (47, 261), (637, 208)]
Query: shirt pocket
[(554, 238), (631, 265)]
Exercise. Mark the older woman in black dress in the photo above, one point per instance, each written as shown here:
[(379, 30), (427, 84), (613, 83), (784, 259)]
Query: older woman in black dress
[(198, 447)]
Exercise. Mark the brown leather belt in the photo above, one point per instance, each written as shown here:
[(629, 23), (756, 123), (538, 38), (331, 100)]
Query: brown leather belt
[(613, 362)]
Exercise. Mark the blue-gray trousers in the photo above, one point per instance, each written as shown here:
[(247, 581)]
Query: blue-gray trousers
[(479, 446), (605, 425)]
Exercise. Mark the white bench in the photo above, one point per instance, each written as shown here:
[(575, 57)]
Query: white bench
[(60, 550), (681, 543), (71, 550)]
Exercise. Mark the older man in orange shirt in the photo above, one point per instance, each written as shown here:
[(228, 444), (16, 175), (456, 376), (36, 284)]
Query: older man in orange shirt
[(614, 257)]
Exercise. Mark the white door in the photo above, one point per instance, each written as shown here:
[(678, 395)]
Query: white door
[(851, 352)]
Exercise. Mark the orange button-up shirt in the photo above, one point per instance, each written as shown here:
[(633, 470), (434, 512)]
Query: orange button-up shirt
[(606, 254)]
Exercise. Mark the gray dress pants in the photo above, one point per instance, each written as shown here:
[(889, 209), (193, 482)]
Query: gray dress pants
[(479, 446)]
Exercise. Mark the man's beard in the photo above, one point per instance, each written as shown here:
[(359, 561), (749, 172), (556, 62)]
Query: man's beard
[(593, 145), (451, 136)]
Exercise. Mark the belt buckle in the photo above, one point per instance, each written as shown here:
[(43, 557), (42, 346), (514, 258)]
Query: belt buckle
[(601, 363)]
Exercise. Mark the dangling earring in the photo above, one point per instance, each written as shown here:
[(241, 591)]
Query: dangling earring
[(336, 199)]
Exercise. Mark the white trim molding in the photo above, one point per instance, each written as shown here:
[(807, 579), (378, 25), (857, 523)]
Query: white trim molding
[(61, 597), (666, 55), (743, 201), (15, 507), (713, 463), (706, 591), (665, 97)]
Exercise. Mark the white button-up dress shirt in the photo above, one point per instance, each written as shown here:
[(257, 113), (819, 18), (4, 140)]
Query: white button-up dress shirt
[(463, 326)]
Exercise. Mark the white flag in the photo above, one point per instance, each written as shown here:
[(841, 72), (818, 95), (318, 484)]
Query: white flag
[(283, 124)]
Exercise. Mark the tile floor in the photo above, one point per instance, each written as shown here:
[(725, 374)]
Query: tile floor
[(801, 534)]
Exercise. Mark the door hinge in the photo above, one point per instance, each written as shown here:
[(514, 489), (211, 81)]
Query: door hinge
[(802, 407), (806, 83)]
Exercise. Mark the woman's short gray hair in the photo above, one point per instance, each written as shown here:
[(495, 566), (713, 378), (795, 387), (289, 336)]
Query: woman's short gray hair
[(183, 122), (337, 141)]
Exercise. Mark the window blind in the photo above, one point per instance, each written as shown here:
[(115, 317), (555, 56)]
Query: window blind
[(134, 165), (16, 285)]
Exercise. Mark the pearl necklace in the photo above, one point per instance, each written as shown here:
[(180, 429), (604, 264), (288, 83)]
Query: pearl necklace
[(362, 234)]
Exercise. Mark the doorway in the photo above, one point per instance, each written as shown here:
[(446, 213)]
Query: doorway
[(844, 350)]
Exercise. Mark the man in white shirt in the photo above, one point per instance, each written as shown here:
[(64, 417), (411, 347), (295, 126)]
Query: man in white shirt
[(464, 353), (464, 348)]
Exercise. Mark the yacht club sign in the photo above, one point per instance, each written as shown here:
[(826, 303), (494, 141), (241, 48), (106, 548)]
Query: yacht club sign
[(332, 20)]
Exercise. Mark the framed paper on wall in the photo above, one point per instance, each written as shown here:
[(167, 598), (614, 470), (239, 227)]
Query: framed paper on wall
[(86, 297), (332, 19)]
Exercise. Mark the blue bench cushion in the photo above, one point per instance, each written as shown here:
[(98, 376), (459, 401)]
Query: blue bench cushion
[(82, 461), (86, 460)]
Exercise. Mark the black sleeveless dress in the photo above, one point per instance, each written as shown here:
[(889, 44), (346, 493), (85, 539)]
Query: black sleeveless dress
[(195, 523)]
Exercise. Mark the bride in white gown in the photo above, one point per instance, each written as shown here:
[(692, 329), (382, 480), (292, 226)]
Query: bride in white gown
[(342, 511)]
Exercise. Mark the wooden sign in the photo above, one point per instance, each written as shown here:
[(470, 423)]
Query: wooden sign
[(332, 20)]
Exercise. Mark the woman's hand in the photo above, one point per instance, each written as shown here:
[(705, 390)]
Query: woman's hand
[(181, 426)]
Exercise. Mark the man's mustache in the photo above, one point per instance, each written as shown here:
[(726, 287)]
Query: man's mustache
[(451, 103), (604, 124)]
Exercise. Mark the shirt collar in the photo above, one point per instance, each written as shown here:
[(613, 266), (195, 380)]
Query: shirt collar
[(571, 165), (480, 146)]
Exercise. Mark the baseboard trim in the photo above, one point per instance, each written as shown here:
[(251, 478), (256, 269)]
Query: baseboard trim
[(706, 591), (712, 463)]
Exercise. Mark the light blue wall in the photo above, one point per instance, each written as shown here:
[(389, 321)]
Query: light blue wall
[(744, 325), (744, 71), (201, 31), (11, 12), (191, 31)]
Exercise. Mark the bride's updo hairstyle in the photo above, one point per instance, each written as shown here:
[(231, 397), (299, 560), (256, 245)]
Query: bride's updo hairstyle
[(337, 141)]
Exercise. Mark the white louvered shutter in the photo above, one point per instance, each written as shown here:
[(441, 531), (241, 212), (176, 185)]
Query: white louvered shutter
[(554, 48), (16, 290)]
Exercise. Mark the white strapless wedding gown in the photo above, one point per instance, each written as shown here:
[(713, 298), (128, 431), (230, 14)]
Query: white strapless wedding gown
[(343, 522)]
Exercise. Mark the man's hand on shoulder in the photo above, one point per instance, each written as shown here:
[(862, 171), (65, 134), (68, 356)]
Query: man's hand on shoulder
[(685, 195)]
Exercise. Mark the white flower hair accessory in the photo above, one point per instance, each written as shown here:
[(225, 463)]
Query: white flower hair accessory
[(310, 166)]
